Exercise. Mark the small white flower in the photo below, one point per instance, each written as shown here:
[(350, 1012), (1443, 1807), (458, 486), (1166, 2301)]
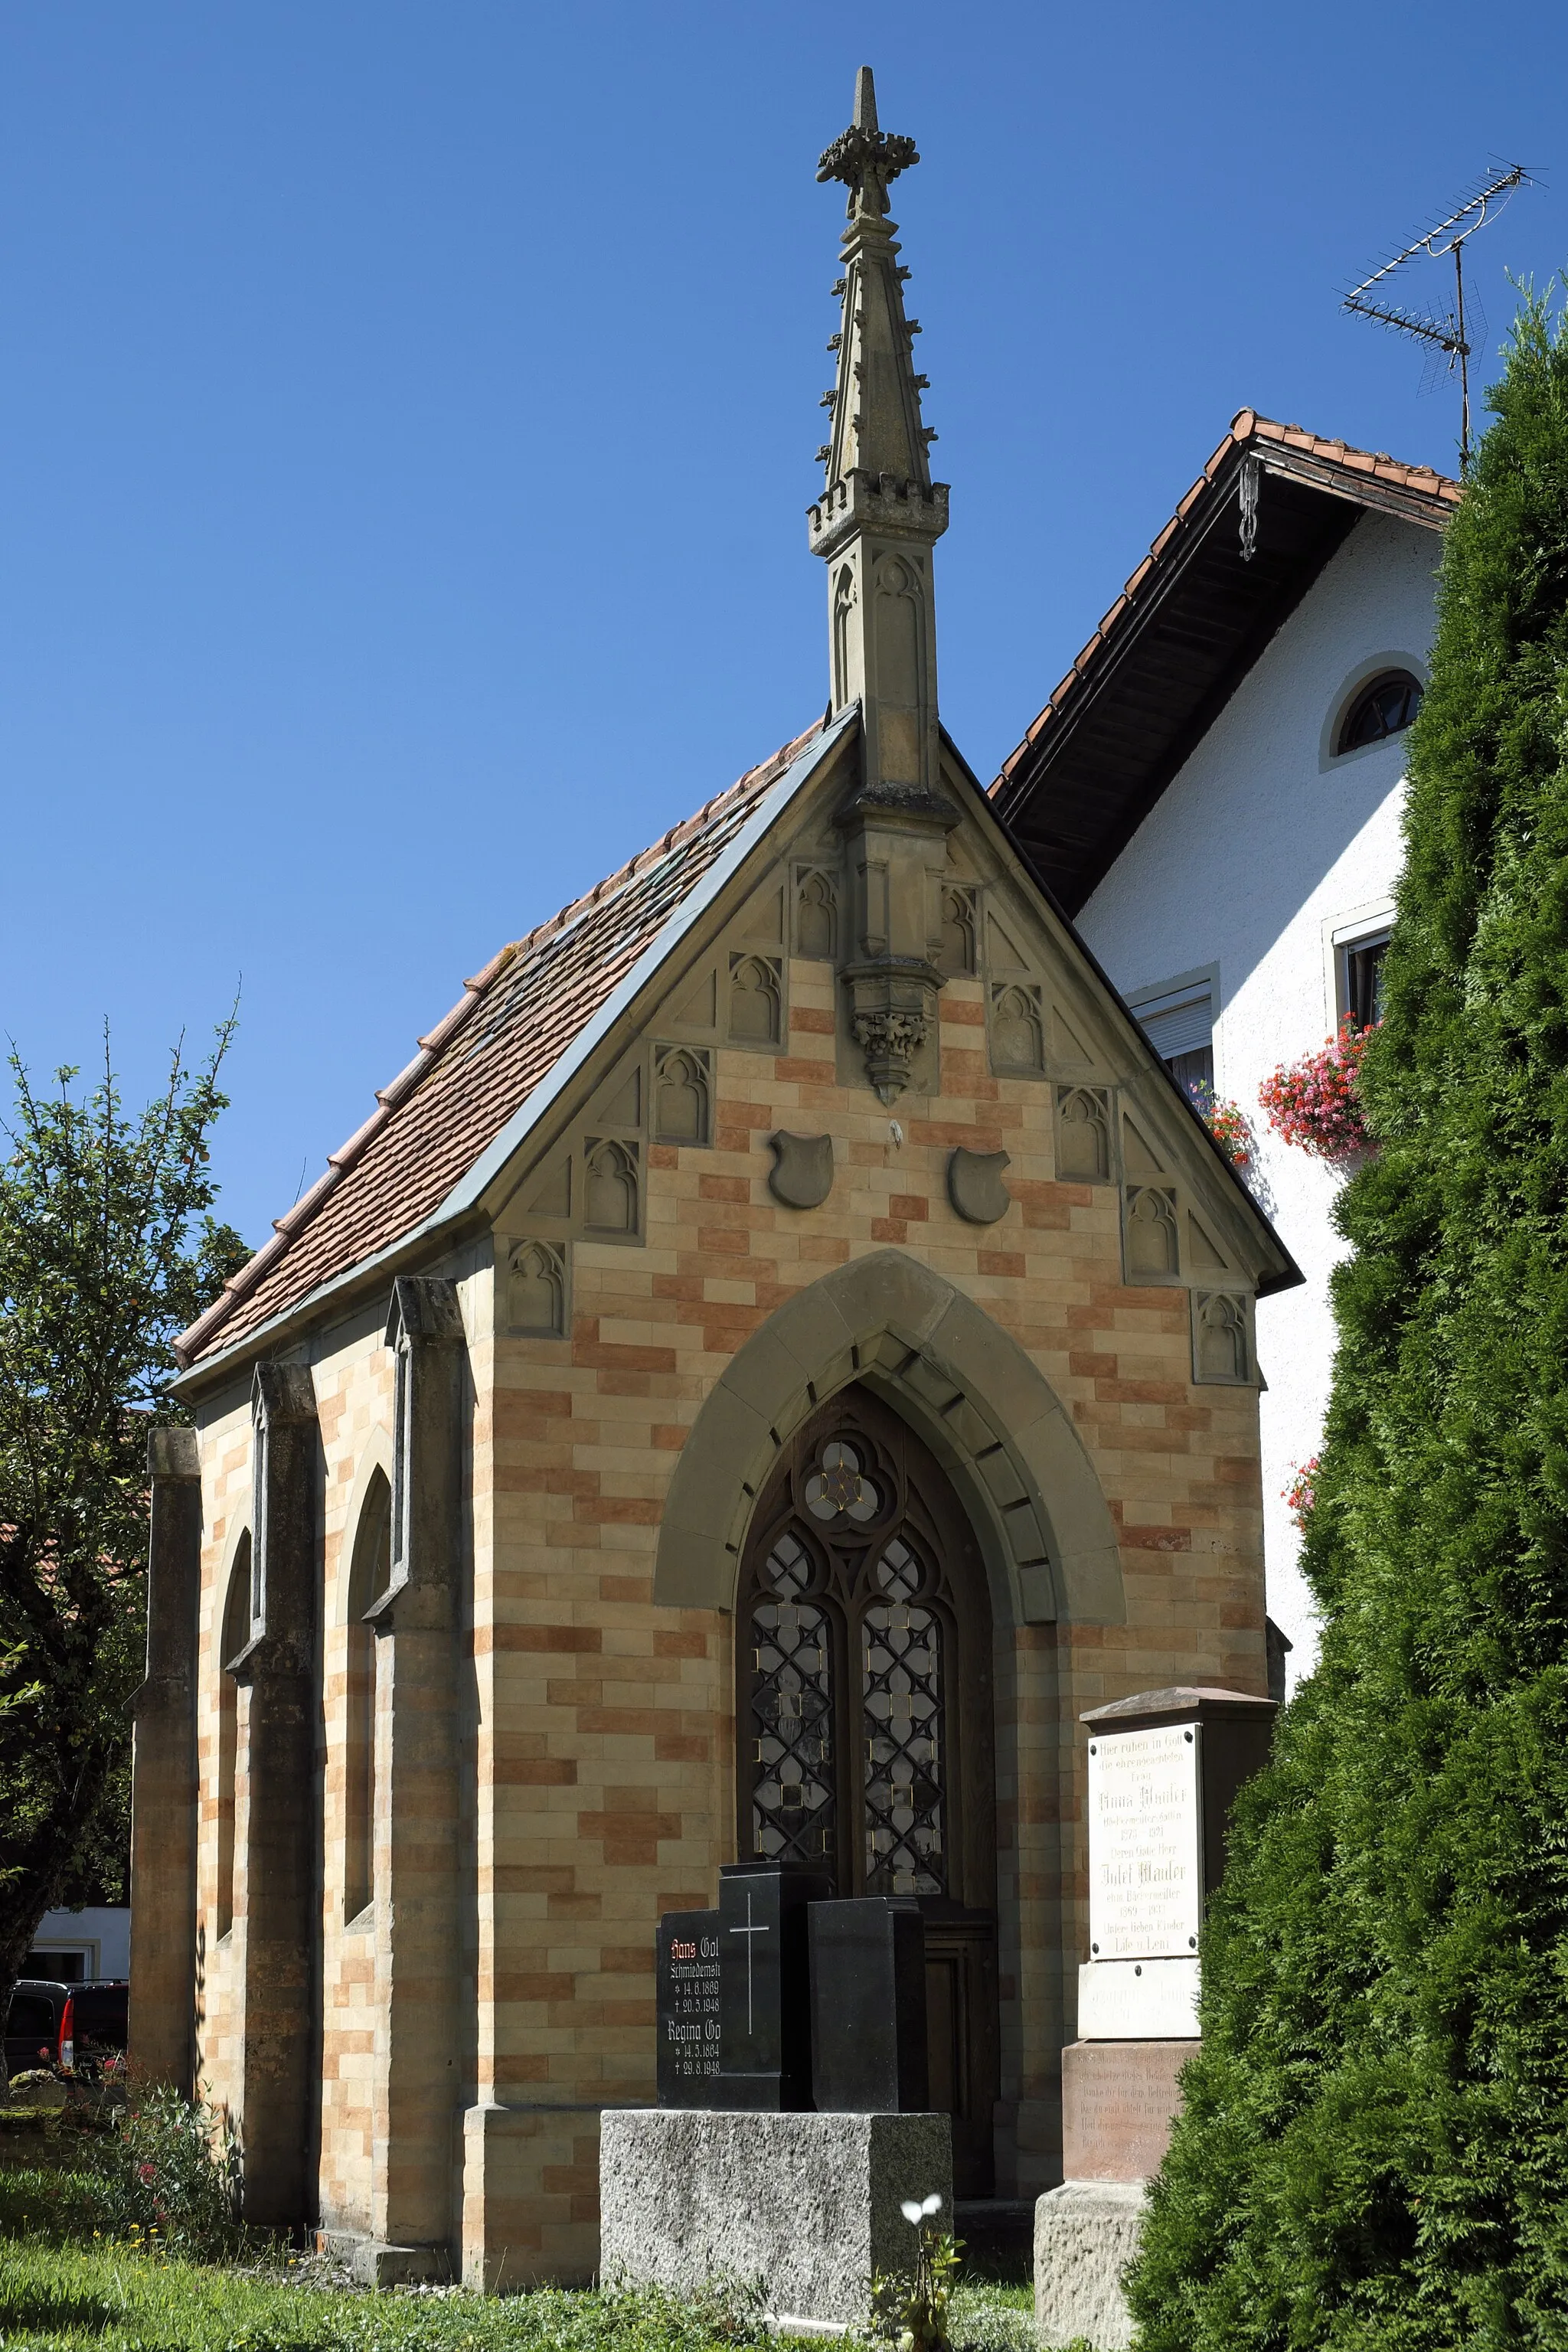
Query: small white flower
[(910, 2210), (932, 2204)]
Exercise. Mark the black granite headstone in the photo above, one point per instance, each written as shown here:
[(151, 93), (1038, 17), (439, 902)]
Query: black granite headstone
[(765, 1994), (686, 1987), (869, 2007)]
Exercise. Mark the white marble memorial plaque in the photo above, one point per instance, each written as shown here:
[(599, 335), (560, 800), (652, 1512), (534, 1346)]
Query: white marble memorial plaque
[(1145, 1843)]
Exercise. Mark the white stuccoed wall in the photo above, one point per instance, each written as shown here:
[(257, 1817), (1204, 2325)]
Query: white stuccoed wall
[(1258, 850)]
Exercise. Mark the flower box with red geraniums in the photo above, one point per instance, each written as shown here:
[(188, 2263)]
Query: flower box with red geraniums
[(1300, 1494), (1315, 1102), (1226, 1122)]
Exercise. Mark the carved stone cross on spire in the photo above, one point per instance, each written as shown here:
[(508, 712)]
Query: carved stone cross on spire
[(864, 158)]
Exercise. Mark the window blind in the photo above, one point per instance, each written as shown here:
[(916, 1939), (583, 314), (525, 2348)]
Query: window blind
[(1182, 1023)]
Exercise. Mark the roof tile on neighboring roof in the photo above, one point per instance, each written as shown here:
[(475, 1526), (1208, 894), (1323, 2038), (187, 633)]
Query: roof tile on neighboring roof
[(475, 1069), (1373, 466)]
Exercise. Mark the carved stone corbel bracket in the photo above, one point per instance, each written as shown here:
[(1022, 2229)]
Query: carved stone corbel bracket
[(892, 1010)]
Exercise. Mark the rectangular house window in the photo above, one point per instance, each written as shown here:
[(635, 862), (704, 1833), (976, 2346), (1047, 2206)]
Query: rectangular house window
[(1360, 979), (1179, 1023)]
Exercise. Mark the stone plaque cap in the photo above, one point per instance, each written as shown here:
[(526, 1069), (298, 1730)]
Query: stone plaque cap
[(1201, 1703), (174, 1451)]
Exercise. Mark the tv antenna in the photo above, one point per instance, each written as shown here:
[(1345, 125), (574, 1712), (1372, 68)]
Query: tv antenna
[(1447, 337)]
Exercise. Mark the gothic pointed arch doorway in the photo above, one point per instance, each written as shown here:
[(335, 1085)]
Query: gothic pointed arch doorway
[(866, 1722)]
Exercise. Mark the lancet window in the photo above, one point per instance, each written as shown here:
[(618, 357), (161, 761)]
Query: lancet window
[(867, 1634), (369, 1575), (234, 1632)]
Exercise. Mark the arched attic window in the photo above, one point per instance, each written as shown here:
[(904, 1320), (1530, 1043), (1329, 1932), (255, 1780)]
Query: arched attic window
[(234, 1632), (1384, 706), (369, 1576)]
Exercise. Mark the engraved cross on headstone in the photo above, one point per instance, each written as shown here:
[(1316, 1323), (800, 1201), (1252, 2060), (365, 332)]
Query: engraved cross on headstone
[(765, 2007), (749, 1930)]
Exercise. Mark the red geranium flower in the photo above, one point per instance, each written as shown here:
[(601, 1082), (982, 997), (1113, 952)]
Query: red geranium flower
[(1315, 1102)]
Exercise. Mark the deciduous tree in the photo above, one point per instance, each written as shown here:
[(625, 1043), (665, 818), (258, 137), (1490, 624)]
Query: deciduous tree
[(107, 1248)]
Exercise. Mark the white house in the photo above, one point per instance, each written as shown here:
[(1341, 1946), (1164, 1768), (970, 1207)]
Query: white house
[(78, 1945), (1215, 794)]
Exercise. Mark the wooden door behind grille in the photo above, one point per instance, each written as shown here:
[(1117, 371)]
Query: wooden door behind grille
[(867, 1741)]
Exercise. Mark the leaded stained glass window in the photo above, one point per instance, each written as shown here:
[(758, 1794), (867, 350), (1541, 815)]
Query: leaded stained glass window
[(861, 1588)]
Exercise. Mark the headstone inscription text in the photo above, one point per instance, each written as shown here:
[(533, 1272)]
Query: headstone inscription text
[(687, 1999), (1146, 1876)]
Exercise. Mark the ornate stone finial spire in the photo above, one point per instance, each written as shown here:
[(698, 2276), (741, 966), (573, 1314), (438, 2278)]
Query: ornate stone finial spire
[(865, 115), (875, 526), (875, 404)]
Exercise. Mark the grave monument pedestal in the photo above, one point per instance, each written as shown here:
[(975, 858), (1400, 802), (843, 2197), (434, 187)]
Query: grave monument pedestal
[(792, 2124), (808, 2203), (1164, 1769)]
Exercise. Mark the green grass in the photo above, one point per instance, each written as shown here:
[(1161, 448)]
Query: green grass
[(65, 2289)]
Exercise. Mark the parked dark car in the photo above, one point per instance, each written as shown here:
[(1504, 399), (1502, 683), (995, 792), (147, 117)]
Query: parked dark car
[(101, 2016), (72, 2026), (33, 2026)]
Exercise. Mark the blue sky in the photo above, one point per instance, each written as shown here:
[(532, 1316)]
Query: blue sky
[(406, 419)]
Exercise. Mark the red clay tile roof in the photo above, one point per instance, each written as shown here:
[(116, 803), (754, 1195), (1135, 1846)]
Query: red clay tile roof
[(1372, 475), (475, 1069)]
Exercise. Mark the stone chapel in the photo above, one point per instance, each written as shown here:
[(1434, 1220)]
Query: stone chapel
[(779, 1353)]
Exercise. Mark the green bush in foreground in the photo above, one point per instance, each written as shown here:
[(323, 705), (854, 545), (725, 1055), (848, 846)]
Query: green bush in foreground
[(171, 2169), (1373, 2155)]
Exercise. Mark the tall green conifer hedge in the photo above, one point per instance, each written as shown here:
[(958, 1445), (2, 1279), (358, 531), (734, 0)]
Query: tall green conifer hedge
[(1374, 2148)]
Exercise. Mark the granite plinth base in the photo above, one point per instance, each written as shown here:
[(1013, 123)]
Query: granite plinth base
[(370, 2262), (808, 2203), (1085, 2233), (1118, 2102)]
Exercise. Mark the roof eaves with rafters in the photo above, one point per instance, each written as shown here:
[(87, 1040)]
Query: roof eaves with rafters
[(1415, 493), (514, 1025), (1267, 514)]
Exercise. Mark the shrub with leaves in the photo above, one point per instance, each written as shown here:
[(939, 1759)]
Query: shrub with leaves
[(1374, 2142), (171, 2172)]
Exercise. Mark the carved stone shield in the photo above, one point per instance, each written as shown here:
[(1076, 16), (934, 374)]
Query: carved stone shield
[(975, 1185), (802, 1174)]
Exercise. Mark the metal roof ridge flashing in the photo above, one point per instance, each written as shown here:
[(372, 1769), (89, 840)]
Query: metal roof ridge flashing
[(347, 1153), (351, 1277), (683, 830), (429, 1047), (807, 748), (472, 1184)]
